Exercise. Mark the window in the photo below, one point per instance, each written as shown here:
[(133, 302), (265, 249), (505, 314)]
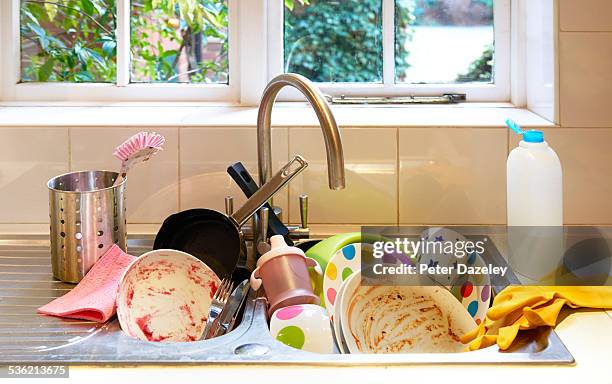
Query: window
[(71, 41), (227, 50), (172, 43), (398, 47), (119, 49)]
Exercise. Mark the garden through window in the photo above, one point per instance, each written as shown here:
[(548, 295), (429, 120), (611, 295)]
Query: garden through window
[(435, 41), (181, 41), (68, 41)]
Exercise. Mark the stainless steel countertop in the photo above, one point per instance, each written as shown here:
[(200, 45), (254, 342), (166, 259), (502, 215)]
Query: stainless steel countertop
[(25, 336)]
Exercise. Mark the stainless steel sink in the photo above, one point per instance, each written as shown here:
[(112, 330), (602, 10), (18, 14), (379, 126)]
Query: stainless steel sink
[(26, 337)]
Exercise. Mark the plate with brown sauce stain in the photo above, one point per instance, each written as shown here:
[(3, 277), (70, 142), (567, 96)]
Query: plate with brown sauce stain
[(402, 319)]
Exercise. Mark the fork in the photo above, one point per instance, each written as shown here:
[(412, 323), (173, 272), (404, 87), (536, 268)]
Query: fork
[(218, 302)]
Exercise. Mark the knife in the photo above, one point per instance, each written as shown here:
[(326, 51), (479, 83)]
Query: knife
[(228, 315)]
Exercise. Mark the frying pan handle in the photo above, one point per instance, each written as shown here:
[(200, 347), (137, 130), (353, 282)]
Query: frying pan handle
[(243, 178), (263, 194)]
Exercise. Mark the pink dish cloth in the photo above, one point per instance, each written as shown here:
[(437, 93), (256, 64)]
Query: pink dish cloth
[(94, 297)]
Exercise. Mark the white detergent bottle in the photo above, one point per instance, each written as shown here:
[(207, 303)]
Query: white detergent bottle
[(535, 207), (534, 182)]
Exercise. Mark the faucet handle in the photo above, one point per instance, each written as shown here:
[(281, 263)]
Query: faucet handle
[(301, 231), (304, 210), (229, 205)]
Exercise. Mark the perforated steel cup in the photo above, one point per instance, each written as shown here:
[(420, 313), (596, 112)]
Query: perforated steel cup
[(87, 216)]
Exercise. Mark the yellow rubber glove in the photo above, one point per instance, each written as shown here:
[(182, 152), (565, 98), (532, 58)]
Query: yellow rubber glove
[(519, 308)]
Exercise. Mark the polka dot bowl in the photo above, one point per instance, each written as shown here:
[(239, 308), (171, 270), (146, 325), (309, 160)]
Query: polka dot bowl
[(340, 267), (305, 327), (473, 290)]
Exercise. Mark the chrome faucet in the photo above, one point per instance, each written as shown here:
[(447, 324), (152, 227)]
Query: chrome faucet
[(331, 135)]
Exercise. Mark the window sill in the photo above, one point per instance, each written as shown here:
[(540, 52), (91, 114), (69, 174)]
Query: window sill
[(285, 114)]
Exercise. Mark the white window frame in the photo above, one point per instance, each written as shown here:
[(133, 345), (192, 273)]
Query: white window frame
[(497, 92), (254, 59), (122, 90)]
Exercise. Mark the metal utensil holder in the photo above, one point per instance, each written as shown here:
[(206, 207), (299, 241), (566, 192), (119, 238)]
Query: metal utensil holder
[(87, 216)]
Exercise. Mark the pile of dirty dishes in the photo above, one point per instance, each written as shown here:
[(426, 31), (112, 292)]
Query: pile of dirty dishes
[(373, 317)]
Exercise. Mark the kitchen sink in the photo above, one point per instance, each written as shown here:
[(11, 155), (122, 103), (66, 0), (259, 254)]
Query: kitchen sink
[(27, 337)]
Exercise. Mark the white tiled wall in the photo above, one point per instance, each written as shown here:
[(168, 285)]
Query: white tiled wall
[(393, 175), (585, 59), (584, 140), (29, 157), (452, 175), (586, 15)]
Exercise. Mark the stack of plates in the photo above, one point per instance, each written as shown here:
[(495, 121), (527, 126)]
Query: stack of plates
[(423, 318)]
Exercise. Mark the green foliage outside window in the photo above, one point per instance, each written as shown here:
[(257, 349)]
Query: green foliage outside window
[(329, 41), (75, 40), (68, 40)]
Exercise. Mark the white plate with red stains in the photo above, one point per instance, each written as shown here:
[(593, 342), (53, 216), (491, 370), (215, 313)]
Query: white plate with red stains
[(165, 295)]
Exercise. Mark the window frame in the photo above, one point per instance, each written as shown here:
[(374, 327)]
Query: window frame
[(122, 89), (497, 92), (251, 22)]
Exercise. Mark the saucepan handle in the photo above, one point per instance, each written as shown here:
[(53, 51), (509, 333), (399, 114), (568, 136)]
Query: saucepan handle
[(244, 180), (263, 194)]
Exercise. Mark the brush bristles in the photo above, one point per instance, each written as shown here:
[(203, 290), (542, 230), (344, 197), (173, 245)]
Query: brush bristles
[(138, 142)]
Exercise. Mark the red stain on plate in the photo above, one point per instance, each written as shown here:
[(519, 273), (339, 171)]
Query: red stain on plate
[(144, 323), (186, 309), (193, 275), (212, 285), (130, 296)]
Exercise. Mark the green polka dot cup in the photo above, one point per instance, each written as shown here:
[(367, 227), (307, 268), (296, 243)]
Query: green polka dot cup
[(305, 327)]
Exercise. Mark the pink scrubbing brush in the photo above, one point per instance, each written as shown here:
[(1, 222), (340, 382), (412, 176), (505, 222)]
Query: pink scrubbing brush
[(136, 149)]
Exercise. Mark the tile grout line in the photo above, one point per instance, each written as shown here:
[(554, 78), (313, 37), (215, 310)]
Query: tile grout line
[(69, 149), (178, 167), (397, 176), (289, 184)]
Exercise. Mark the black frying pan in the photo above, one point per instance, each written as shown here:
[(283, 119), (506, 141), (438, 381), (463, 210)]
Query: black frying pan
[(214, 237), (243, 178)]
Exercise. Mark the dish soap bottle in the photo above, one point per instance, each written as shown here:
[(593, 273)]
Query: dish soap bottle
[(534, 182)]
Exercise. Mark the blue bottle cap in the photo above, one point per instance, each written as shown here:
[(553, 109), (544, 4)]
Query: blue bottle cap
[(533, 136)]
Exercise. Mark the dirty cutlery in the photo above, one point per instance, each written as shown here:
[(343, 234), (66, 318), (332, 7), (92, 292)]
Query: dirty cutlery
[(216, 307), (230, 311)]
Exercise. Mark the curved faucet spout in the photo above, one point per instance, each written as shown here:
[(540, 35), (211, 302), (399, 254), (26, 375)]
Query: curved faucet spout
[(331, 134)]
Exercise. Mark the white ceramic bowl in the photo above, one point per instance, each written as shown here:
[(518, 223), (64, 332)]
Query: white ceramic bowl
[(304, 326), (337, 319), (402, 319), (165, 295)]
